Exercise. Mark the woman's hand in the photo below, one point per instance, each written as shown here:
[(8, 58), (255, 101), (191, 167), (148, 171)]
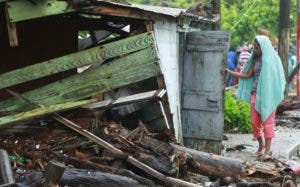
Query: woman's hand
[(241, 75), (228, 71)]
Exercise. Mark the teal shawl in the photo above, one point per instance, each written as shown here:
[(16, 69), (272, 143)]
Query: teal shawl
[(271, 83)]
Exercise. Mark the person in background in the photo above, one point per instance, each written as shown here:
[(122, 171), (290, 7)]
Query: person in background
[(292, 64), (243, 57), (231, 64), (262, 84)]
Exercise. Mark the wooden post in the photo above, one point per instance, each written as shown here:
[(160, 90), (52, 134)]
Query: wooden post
[(149, 25), (6, 173), (11, 30), (54, 172)]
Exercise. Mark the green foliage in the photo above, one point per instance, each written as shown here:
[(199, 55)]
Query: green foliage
[(244, 17), (237, 113), (83, 34)]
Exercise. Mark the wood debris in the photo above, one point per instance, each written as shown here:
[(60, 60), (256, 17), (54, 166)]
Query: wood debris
[(162, 160)]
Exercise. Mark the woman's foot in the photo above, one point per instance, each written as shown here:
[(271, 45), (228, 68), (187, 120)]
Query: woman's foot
[(260, 150), (266, 157)]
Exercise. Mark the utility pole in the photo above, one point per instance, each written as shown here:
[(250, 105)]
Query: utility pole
[(298, 46), (284, 34)]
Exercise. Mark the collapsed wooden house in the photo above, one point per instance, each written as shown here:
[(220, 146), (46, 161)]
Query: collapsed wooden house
[(158, 67), (131, 49)]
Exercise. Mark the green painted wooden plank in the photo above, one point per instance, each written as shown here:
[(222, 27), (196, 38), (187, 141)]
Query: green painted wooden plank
[(20, 10), (22, 116), (89, 56), (120, 72)]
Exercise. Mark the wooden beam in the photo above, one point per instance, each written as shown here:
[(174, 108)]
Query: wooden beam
[(118, 73), (120, 11), (11, 30), (149, 25), (89, 56), (23, 116)]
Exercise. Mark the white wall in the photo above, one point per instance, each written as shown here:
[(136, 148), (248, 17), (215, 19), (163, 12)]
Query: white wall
[(167, 39)]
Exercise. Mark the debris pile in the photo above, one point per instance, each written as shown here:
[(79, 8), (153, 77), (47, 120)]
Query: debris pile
[(113, 155)]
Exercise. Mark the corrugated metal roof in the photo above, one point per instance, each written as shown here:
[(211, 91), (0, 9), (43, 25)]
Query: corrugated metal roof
[(166, 11), (174, 12)]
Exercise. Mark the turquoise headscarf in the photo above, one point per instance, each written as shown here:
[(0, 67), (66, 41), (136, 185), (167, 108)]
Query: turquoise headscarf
[(271, 83)]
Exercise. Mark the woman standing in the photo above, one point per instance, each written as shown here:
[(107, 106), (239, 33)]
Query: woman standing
[(262, 84)]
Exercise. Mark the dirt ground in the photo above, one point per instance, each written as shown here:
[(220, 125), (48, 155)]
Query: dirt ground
[(285, 145)]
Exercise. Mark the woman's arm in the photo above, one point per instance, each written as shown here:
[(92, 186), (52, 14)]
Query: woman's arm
[(241, 75)]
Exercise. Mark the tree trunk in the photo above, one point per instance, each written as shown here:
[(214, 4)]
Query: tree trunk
[(284, 33), (87, 178), (198, 161), (86, 164), (211, 164)]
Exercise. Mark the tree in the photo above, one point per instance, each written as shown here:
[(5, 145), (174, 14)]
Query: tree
[(242, 17)]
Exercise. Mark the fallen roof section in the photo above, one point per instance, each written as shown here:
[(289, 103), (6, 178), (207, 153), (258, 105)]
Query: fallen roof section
[(115, 74), (89, 56)]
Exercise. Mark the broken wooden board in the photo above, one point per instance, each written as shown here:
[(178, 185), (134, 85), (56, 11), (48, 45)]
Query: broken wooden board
[(90, 104), (23, 116), (78, 59), (126, 100), (20, 10), (129, 69), (266, 167)]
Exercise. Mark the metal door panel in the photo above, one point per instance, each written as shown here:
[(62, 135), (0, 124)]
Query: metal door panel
[(208, 101), (200, 122), (203, 84)]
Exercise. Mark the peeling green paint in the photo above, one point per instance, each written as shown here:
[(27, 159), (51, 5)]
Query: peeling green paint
[(20, 10), (118, 73), (43, 111), (78, 59)]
